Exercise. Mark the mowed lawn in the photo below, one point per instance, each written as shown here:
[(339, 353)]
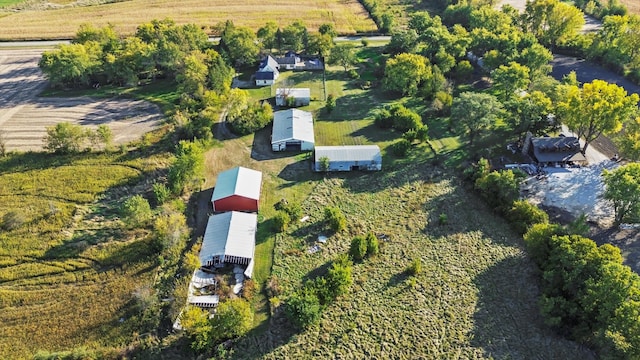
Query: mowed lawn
[(348, 16), (68, 273), (476, 297)]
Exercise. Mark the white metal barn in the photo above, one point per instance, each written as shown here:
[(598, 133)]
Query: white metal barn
[(230, 238), (292, 131), (300, 96), (348, 158)]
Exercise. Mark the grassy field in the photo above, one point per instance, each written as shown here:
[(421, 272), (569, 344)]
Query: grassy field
[(68, 272), (348, 16), (475, 298), (632, 5)]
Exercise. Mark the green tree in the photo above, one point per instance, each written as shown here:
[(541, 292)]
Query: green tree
[(343, 54), (320, 44), (281, 221), (598, 108), (399, 117), (330, 103), (372, 244), (499, 189), (358, 249), (403, 41), (71, 64), (552, 21), (328, 29), (268, 35), (339, 278), (198, 328), (475, 112), (65, 138), (628, 139), (188, 168), (295, 36), (220, 74), (324, 164), (171, 232), (335, 218), (251, 119), (233, 318), (405, 72), (510, 78), (136, 211), (622, 188), (523, 215), (192, 73), (303, 309), (530, 113)]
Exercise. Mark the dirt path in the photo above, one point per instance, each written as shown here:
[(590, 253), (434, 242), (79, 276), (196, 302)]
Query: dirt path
[(24, 116)]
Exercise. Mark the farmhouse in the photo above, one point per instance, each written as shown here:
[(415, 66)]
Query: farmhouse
[(292, 131), (348, 158), (556, 151), (289, 61), (268, 71), (230, 238), (293, 97), (237, 189)]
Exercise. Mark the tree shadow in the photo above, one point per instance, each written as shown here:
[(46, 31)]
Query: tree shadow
[(22, 162), (375, 134), (298, 171), (261, 147)]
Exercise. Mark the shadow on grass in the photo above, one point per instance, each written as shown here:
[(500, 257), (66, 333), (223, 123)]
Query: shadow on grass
[(375, 134), (298, 171), (508, 324), (21, 162), (261, 146)]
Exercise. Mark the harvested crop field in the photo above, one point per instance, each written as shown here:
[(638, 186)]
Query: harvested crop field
[(348, 16), (24, 117)]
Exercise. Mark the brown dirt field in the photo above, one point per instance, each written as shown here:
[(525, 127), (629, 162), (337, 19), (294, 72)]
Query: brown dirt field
[(24, 117), (632, 5), (348, 16)]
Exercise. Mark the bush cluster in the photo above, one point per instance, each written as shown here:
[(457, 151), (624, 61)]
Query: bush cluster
[(335, 218), (364, 246)]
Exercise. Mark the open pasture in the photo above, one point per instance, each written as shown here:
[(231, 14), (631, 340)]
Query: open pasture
[(348, 16)]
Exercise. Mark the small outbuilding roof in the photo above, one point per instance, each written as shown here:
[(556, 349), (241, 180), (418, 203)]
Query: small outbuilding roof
[(238, 181), (349, 153), (292, 124), (294, 92), (265, 75), (231, 233)]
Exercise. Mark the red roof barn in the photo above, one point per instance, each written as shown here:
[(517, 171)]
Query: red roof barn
[(237, 189)]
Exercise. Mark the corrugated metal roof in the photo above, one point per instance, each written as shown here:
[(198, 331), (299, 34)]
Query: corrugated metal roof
[(295, 92), (232, 233), (349, 153), (238, 181), (292, 124)]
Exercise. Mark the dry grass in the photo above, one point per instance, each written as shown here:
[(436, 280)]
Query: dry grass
[(68, 274), (348, 16), (632, 5)]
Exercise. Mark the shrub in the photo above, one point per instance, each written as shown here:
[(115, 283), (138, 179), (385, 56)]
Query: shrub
[(353, 74), (273, 286), (161, 193), (364, 42), (136, 211), (281, 221), (401, 147), (415, 267), (330, 104), (249, 289), (523, 215), (372, 244), (198, 328), (303, 309), (233, 318), (65, 138), (251, 119), (398, 117), (339, 278), (324, 164), (499, 189), (12, 220), (335, 218), (443, 219), (358, 248)]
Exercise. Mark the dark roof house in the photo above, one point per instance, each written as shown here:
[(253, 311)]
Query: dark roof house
[(557, 150)]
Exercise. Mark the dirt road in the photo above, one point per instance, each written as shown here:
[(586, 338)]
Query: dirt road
[(24, 116)]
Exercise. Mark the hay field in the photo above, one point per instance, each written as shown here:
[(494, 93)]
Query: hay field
[(348, 16), (632, 5)]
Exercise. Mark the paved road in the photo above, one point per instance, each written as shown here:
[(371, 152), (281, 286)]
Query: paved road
[(587, 72)]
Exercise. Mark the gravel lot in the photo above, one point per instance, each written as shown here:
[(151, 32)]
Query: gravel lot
[(24, 116)]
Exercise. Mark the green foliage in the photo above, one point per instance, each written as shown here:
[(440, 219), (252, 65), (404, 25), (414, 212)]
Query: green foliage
[(198, 328), (622, 188), (405, 72), (510, 78), (530, 113), (401, 147), (188, 168), (373, 247), (251, 119), (499, 189), (75, 354), (294, 36), (136, 211), (343, 54), (65, 138), (443, 219), (71, 65), (552, 22), (233, 318), (281, 221), (475, 112), (303, 309), (161, 192), (523, 215), (399, 117), (358, 249), (240, 43), (335, 218), (12, 220), (339, 278), (171, 233), (415, 267), (330, 103), (628, 139), (325, 162)]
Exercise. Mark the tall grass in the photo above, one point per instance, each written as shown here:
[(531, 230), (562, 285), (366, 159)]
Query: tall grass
[(68, 273)]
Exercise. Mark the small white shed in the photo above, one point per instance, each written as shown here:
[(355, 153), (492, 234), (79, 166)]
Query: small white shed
[(292, 131), (299, 97)]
